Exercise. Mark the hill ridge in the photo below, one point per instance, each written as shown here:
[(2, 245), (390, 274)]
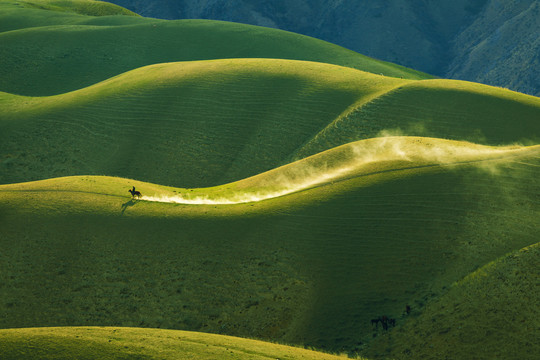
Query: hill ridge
[(122, 43), (402, 187), (302, 265), (250, 102), (486, 41), (388, 156), (113, 342), (342, 163), (357, 106)]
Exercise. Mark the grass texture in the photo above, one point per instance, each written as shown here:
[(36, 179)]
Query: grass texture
[(312, 267), (51, 52), (134, 343), (198, 124), (291, 193), (499, 300)]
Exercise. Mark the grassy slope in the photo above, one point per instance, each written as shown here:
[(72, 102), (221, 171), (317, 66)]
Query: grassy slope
[(29, 14), (131, 343), (448, 109), (308, 268), (47, 60), (205, 123), (186, 124), (82, 7), (497, 306)]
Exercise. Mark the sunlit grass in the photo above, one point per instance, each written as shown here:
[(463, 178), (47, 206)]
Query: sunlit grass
[(286, 194), (41, 51), (113, 343)]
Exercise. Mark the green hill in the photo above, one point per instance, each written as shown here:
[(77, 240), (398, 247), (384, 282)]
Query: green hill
[(49, 52), (282, 199), (71, 7), (187, 124), (197, 124), (130, 343), (312, 267), (438, 108), (497, 306)]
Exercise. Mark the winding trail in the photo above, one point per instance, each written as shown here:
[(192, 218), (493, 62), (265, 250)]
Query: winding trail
[(364, 158)]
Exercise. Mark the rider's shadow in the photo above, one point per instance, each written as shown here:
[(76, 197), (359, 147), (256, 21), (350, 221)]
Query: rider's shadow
[(128, 204)]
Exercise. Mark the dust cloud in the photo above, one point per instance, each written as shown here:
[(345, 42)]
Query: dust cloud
[(387, 153)]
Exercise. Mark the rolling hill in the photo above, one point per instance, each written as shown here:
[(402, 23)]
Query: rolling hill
[(488, 41), (115, 343), (289, 200), (464, 316), (311, 268), (51, 52), (195, 124)]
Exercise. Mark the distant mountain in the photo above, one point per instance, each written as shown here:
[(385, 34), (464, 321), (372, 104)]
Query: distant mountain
[(489, 41)]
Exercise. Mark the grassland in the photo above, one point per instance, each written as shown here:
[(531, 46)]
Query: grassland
[(135, 343), (42, 52), (205, 123), (296, 268), (464, 317), (81, 7), (284, 200)]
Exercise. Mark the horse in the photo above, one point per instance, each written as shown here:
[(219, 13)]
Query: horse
[(385, 322), (135, 193)]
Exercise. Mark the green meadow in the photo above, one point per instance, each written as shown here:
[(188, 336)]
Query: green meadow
[(51, 52), (292, 191), (137, 343)]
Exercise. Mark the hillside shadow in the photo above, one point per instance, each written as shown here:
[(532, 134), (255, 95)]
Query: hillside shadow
[(131, 202)]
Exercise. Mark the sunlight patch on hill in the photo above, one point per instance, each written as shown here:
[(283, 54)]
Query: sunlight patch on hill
[(305, 178), (362, 158)]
